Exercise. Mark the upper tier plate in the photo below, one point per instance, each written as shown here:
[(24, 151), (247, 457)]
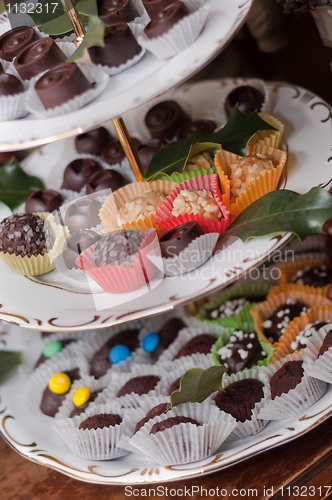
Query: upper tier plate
[(145, 80), (54, 302)]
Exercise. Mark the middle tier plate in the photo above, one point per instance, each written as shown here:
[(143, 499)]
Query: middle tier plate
[(53, 302)]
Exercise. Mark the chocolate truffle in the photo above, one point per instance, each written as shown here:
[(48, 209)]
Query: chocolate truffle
[(239, 398), (44, 200), (52, 349), (113, 153), (242, 350), (13, 41), (105, 179), (164, 20), (167, 335), (200, 344), (61, 84), (37, 57), (302, 338), (147, 151), (120, 46), (164, 119), (93, 142), (139, 385), (76, 244), (275, 326), (51, 401), (100, 421), (173, 242), (24, 235), (327, 343), (10, 85), (141, 206), (77, 410), (313, 276), (232, 307), (83, 214), (196, 126), (286, 378), (78, 172), (113, 11), (117, 248), (100, 362), (152, 7), (170, 422), (154, 412), (247, 98)]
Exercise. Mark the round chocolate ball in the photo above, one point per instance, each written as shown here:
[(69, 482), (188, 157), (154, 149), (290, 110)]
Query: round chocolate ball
[(152, 7), (37, 57), (23, 234), (196, 126), (77, 173), (82, 214), (164, 20), (113, 153), (44, 200), (247, 98), (93, 142), (164, 119), (105, 179), (112, 11), (76, 244), (13, 41), (173, 242), (10, 85), (147, 151)]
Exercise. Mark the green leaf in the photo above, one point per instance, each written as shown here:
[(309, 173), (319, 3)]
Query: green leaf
[(197, 384), (58, 26), (234, 137), (87, 7), (94, 37), (49, 11), (9, 360), (16, 185), (284, 211)]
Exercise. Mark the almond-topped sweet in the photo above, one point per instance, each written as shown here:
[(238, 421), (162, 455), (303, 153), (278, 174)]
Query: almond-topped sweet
[(142, 206), (245, 170), (197, 202)]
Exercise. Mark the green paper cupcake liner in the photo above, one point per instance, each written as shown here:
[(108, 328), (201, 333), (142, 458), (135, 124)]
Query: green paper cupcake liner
[(184, 176)]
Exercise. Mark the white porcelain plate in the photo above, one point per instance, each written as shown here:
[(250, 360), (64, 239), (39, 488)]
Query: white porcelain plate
[(55, 302), (129, 89), (34, 438)]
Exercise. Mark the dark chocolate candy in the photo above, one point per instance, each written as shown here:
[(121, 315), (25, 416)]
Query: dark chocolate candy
[(37, 57), (313, 276), (239, 398), (120, 46), (200, 344), (77, 173), (147, 151), (60, 84), (50, 401), (286, 378), (10, 85), (152, 7), (167, 335), (80, 409), (100, 421), (23, 234), (164, 119), (76, 244), (93, 142), (117, 248), (44, 200), (241, 351), (113, 11), (247, 98), (105, 179), (154, 412), (327, 343), (170, 422), (302, 338), (166, 19), (275, 326), (43, 358), (196, 126), (174, 241), (83, 214), (13, 41), (139, 385)]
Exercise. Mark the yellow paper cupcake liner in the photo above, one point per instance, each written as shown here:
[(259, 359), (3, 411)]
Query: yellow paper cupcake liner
[(265, 183), (290, 287), (269, 137), (289, 269), (264, 310), (110, 209), (41, 264), (314, 314)]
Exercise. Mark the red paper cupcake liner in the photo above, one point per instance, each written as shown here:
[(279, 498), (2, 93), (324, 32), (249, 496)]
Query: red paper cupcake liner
[(165, 219), (119, 278)]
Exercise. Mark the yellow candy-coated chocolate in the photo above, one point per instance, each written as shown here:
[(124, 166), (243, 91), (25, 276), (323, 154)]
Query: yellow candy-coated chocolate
[(59, 383), (81, 396)]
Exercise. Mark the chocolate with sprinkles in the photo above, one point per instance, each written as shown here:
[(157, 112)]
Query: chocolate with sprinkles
[(24, 235), (301, 340), (242, 350), (275, 326), (313, 276), (117, 248)]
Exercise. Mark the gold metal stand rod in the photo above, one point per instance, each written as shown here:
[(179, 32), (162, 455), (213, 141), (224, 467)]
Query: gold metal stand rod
[(128, 147), (74, 17)]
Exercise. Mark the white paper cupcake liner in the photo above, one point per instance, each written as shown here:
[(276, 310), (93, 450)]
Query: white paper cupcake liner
[(194, 255), (118, 380), (93, 444), (89, 381), (112, 70), (34, 105), (320, 368), (185, 335), (297, 400), (185, 443), (13, 106), (180, 36), (40, 378)]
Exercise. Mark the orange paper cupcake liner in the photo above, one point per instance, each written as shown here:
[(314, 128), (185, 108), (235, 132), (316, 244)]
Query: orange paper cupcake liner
[(165, 219), (290, 287)]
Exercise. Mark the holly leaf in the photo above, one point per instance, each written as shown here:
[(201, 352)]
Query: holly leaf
[(197, 384), (16, 185), (284, 211), (94, 37), (47, 11), (234, 137), (9, 360), (87, 7)]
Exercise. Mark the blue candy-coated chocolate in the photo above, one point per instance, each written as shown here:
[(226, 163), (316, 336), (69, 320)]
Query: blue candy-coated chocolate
[(119, 353), (151, 341)]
